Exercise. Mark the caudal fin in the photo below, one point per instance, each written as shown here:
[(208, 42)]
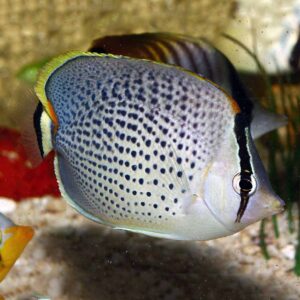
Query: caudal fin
[(13, 246)]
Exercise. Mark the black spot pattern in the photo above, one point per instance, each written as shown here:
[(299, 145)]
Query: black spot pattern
[(136, 135)]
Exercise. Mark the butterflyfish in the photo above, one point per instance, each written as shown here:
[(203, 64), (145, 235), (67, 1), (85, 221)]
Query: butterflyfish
[(150, 147)]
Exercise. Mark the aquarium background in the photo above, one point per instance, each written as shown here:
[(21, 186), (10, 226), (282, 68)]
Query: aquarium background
[(73, 258), (36, 29)]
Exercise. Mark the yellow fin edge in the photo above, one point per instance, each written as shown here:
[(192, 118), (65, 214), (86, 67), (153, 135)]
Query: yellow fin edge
[(49, 68)]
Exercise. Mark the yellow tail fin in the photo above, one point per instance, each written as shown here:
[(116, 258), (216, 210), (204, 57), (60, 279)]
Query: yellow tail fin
[(13, 247)]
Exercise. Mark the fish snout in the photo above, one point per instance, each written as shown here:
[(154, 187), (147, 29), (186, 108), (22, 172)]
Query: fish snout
[(273, 203), (262, 205)]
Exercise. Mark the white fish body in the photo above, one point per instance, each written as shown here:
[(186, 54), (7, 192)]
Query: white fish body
[(151, 148)]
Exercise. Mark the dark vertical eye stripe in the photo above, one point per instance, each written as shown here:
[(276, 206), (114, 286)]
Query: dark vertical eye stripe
[(243, 206), (241, 124), (240, 93), (37, 126)]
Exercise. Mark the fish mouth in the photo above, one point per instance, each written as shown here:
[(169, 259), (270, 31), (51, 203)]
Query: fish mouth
[(275, 203), (267, 205), (280, 205)]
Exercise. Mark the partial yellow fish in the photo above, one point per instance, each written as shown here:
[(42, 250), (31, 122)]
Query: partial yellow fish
[(13, 240)]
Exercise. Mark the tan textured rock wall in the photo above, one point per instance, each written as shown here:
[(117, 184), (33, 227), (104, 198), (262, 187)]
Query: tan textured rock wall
[(33, 29)]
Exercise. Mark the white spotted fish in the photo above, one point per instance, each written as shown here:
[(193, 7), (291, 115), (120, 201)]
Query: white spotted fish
[(13, 240), (150, 148), (198, 56)]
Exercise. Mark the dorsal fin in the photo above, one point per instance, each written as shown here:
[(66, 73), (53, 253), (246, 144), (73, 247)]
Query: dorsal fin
[(195, 55)]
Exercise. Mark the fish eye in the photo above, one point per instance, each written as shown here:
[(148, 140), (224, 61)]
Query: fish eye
[(241, 184)]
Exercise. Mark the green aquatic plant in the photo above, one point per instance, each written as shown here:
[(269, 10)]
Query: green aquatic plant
[(29, 72)]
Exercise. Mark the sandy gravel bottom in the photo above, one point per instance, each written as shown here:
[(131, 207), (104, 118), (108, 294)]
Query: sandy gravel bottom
[(71, 257)]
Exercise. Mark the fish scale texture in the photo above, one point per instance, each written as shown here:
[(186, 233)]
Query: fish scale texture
[(134, 137)]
